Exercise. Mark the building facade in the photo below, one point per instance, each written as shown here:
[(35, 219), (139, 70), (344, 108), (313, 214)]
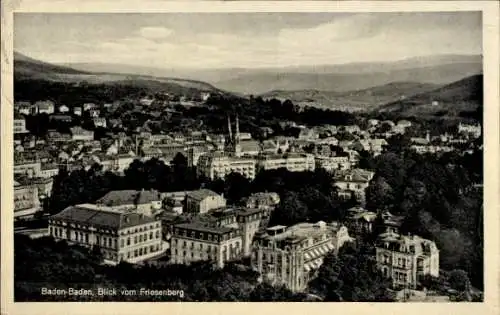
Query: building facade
[(20, 125), (203, 200), (291, 255), (120, 236), (192, 242), (26, 202), (218, 165), (406, 259), (294, 162), (333, 163)]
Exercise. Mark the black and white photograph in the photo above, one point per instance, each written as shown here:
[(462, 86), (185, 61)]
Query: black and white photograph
[(248, 157)]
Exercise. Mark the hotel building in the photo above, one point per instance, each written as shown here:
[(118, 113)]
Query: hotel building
[(406, 259), (294, 162), (291, 255), (220, 235), (218, 165), (120, 235), (26, 202)]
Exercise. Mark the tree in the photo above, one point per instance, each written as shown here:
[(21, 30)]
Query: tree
[(458, 279), (291, 210), (236, 187), (379, 195), (352, 276)]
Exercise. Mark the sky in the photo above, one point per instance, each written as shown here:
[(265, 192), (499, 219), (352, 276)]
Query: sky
[(246, 40)]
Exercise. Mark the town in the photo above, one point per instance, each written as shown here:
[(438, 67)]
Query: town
[(180, 181)]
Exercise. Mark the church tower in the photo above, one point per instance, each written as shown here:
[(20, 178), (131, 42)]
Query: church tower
[(236, 142)]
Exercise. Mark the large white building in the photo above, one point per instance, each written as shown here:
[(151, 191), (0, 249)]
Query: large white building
[(120, 235), (333, 163), (294, 162), (218, 165), (219, 236), (406, 259), (291, 255)]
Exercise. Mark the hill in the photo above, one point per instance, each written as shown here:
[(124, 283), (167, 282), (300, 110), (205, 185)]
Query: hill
[(28, 69), (438, 69), (259, 83), (364, 99), (455, 99)]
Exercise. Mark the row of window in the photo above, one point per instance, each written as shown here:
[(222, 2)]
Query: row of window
[(209, 254), (141, 251), (141, 229), (201, 246), (140, 238)]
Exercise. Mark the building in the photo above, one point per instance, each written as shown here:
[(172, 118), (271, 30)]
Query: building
[(392, 223), (120, 236), (333, 163), (217, 165), (192, 242), (146, 202), (374, 146), (20, 125), (353, 183), (308, 134), (266, 201), (291, 255), (406, 259), (294, 162), (203, 200), (63, 109), (80, 134), (43, 185), (60, 118), (24, 108), (89, 106), (26, 202), (360, 221), (263, 200), (46, 107), (29, 168), (474, 130), (220, 235), (99, 122), (49, 170), (422, 149)]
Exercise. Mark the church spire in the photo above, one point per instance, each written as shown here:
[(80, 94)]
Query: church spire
[(237, 135), (229, 128)]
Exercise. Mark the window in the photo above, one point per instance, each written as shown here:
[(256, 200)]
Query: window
[(140, 238), (122, 243), (86, 238), (151, 235), (157, 234), (135, 239), (128, 240)]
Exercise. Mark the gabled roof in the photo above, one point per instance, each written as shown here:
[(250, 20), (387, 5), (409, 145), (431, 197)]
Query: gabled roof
[(129, 197), (201, 194)]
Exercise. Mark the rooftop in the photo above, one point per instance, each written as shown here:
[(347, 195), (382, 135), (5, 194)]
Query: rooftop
[(128, 197), (101, 216), (300, 231), (201, 194), (200, 227)]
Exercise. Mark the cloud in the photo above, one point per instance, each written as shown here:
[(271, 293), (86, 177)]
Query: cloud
[(155, 32), (353, 38)]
